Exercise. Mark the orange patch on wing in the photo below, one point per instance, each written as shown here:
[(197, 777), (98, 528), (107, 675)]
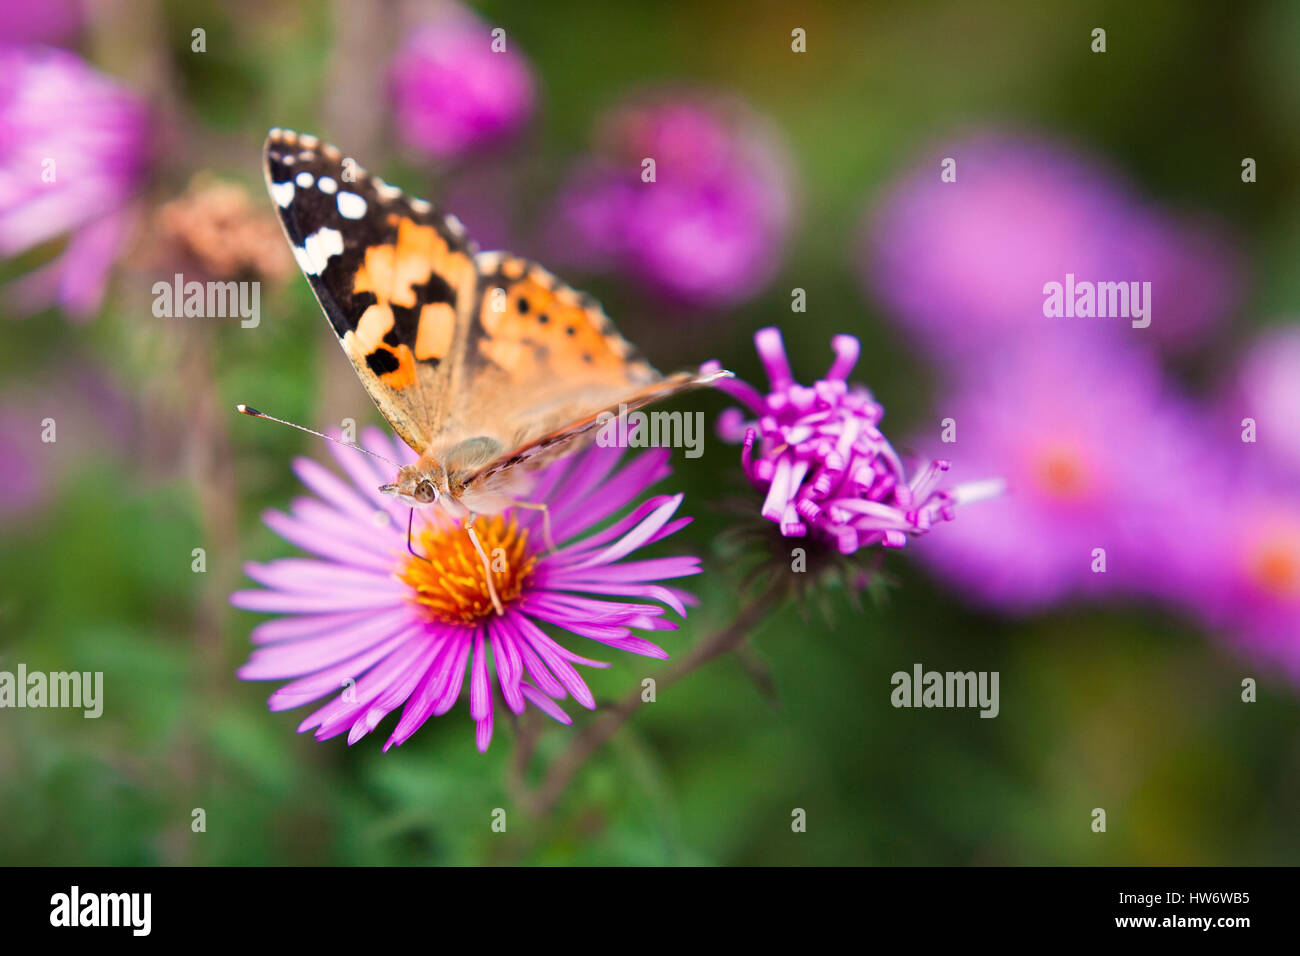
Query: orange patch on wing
[(419, 253), (516, 358), (553, 325), (374, 324), (404, 375), (434, 335)]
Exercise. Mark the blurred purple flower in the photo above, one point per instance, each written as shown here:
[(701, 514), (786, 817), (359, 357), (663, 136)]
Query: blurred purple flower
[(23, 472), (1241, 564), (1267, 388), (708, 231), (404, 629), (825, 464), (452, 93), (50, 21), (963, 264), (73, 150), (1096, 455), (89, 418)]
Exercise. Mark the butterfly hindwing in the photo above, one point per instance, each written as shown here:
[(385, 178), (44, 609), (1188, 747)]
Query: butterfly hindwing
[(539, 355), (395, 277)]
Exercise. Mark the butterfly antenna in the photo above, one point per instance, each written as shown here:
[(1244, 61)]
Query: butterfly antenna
[(254, 413)]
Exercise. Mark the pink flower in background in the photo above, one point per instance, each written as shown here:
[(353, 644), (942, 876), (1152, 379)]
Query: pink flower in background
[(962, 265), (49, 21), (822, 462), (1247, 586), (73, 151), (708, 231), (24, 471), (1234, 562), (452, 93), (1096, 454), (1266, 387), (89, 417), (405, 629)]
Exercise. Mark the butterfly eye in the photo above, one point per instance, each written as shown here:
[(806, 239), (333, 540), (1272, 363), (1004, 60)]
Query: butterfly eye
[(424, 493)]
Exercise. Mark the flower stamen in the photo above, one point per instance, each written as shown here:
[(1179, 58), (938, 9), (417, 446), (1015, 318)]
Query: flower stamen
[(466, 579)]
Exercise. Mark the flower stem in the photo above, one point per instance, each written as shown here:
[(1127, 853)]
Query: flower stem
[(590, 739)]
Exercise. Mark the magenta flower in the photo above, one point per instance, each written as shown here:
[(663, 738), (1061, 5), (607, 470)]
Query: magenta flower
[(73, 151), (393, 629), (1097, 454), (50, 21), (962, 265), (1266, 388), (707, 232), (452, 93), (822, 461), (1240, 570)]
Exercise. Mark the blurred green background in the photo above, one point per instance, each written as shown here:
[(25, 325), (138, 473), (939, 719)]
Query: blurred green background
[(1124, 708)]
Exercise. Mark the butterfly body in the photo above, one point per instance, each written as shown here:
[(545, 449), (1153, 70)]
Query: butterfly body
[(484, 363)]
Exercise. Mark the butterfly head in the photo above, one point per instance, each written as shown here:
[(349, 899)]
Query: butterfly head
[(418, 485)]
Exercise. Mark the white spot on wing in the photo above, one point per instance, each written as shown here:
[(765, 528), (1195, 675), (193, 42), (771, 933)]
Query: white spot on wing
[(317, 250), (304, 263), (386, 192), (304, 179), (351, 206), (282, 193), (327, 185)]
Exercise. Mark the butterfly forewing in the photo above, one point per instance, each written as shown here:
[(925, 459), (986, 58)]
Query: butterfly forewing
[(394, 276), (459, 350)]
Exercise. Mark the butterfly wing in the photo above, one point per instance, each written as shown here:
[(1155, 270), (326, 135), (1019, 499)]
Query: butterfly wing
[(484, 357), (394, 275), (543, 364), (581, 430)]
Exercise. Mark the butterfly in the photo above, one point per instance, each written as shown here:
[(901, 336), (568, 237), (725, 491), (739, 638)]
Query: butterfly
[(484, 363)]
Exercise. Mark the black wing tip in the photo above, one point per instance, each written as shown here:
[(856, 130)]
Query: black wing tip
[(281, 142)]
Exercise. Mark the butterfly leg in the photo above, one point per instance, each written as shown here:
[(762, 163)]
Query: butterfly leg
[(487, 565), (409, 522), (546, 520)]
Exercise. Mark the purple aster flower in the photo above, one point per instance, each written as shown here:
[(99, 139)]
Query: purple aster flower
[(89, 417), (452, 92), (822, 462), (23, 467), (1266, 388), (50, 21), (394, 629), (1096, 453), (73, 150), (708, 231), (1240, 569), (963, 264)]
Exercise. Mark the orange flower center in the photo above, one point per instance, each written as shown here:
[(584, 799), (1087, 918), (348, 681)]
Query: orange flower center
[(1061, 472), (451, 586), (1276, 567)]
